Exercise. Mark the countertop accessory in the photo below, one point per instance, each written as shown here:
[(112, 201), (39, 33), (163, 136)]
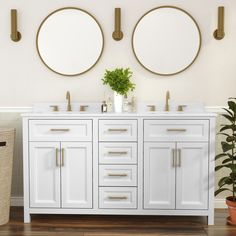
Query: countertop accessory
[(219, 33), (83, 107), (117, 34), (104, 107), (151, 107), (15, 34), (68, 101), (54, 108), (167, 105)]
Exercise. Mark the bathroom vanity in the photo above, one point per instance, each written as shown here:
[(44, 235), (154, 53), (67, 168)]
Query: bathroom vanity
[(147, 163)]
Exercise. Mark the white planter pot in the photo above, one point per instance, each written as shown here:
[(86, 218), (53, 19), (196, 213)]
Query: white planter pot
[(118, 102)]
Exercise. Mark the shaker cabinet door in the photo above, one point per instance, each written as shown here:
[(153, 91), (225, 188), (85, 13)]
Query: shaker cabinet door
[(192, 176), (76, 174), (159, 176), (44, 161)]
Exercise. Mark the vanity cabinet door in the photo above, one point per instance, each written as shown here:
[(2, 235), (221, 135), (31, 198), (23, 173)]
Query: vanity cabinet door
[(44, 161), (159, 176), (192, 176), (76, 174)]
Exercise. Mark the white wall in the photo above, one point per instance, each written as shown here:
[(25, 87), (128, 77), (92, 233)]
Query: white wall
[(25, 80)]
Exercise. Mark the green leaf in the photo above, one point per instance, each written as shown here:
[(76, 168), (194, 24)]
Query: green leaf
[(226, 127), (230, 112), (232, 106), (221, 190), (229, 117), (225, 180), (230, 166), (223, 134), (226, 146), (220, 155)]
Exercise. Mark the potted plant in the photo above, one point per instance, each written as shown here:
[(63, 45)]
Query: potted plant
[(228, 157), (119, 81)]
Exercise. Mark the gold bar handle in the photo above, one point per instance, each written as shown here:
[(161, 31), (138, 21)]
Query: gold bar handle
[(117, 197), (173, 157), (117, 34), (63, 157), (176, 130), (57, 159), (117, 130), (15, 34), (60, 130), (117, 175), (219, 33), (179, 157), (117, 153)]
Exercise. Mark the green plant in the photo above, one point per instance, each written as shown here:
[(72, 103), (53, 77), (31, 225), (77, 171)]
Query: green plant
[(228, 182), (119, 80)]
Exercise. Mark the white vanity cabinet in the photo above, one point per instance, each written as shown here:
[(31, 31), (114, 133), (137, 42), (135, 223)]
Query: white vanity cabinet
[(119, 164)]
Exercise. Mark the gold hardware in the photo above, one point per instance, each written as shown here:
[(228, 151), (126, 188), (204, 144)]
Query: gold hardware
[(117, 197), (179, 156), (117, 175), (173, 157), (181, 107), (117, 130), (37, 40), (176, 130), (219, 33), (83, 107), (151, 107), (167, 106), (57, 162), (68, 101), (60, 130), (63, 157), (15, 35), (117, 153), (199, 33), (54, 108), (117, 34)]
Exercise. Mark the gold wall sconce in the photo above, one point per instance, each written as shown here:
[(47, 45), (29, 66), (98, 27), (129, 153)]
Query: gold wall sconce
[(15, 34), (220, 33), (117, 34)]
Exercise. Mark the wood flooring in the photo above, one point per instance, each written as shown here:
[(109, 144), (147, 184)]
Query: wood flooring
[(77, 225)]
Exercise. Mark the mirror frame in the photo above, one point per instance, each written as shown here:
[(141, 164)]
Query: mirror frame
[(73, 8), (200, 40)]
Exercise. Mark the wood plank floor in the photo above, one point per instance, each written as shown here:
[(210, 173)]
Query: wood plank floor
[(58, 225)]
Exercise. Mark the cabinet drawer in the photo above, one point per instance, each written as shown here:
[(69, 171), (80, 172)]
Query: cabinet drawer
[(60, 130), (118, 130), (118, 153), (117, 197), (176, 130), (117, 175)]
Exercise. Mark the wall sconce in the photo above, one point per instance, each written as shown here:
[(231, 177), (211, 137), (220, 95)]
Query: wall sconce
[(117, 34), (219, 33), (15, 35)]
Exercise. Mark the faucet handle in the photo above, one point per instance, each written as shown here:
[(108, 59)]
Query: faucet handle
[(54, 108), (83, 107), (181, 107), (151, 107)]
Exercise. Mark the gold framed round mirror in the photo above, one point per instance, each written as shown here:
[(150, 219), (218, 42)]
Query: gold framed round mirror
[(166, 40), (70, 41)]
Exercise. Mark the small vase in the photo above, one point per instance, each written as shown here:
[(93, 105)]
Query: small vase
[(118, 102)]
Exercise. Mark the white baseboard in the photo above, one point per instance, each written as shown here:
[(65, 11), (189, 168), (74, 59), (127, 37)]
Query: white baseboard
[(18, 201)]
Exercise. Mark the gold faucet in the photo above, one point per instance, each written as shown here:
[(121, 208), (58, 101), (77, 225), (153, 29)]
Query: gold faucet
[(68, 101), (167, 106)]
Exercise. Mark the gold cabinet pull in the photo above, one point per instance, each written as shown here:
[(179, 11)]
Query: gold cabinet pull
[(57, 159), (179, 157), (63, 157), (15, 34), (219, 33), (117, 130), (173, 157), (117, 34), (60, 130), (176, 130), (117, 175), (117, 153), (117, 197)]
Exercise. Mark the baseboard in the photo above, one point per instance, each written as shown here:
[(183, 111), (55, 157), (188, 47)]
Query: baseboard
[(19, 201)]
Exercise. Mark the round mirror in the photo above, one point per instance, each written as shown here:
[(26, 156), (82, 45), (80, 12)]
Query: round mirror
[(166, 40), (70, 41)]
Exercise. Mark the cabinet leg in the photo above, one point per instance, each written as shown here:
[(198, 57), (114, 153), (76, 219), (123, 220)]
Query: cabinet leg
[(210, 219), (27, 218)]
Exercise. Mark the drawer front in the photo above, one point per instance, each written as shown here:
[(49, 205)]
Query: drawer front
[(118, 130), (117, 175), (118, 153), (60, 130), (118, 197), (176, 130)]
